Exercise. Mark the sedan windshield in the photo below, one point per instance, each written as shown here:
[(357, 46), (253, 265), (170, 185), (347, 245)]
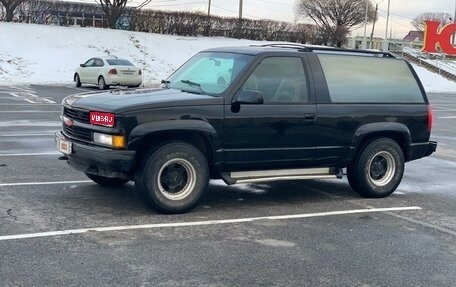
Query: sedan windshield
[(208, 73)]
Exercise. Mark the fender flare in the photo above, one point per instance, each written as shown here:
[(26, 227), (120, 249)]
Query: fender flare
[(194, 126), (378, 128)]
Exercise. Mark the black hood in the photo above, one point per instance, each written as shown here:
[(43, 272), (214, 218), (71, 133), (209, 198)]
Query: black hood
[(127, 100)]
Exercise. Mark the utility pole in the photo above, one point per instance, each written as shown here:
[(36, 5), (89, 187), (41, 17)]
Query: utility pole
[(373, 25), (240, 19), (208, 27), (386, 30), (365, 25)]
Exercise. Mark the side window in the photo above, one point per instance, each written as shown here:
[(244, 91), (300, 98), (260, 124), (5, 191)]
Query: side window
[(98, 63), (279, 80), (89, 63), (362, 79)]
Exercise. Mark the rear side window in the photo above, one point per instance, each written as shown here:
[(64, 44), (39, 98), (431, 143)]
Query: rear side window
[(354, 79), (119, 62)]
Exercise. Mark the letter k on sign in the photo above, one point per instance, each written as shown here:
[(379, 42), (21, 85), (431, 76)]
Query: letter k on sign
[(434, 35)]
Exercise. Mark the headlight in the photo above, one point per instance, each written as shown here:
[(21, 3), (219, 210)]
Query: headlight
[(110, 140)]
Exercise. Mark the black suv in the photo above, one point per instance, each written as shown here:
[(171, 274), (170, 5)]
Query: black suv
[(252, 114)]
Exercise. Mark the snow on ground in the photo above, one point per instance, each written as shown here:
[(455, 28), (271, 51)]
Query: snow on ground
[(39, 54), (434, 83)]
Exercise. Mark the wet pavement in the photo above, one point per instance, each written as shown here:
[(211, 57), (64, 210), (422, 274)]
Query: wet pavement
[(326, 234)]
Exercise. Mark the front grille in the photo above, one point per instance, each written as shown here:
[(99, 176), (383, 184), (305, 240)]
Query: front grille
[(76, 115), (78, 133)]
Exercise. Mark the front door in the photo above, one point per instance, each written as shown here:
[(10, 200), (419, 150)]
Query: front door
[(278, 133), (84, 73)]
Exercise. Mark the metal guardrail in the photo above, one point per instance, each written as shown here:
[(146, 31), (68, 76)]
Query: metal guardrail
[(440, 61)]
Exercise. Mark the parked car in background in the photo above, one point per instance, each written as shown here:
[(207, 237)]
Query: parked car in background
[(108, 71)]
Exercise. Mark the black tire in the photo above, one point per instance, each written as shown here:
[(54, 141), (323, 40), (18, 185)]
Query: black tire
[(102, 83), (378, 169), (77, 81), (107, 181), (172, 178)]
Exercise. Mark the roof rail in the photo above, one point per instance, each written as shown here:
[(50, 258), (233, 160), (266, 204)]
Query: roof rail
[(367, 52), (307, 48), (283, 45)]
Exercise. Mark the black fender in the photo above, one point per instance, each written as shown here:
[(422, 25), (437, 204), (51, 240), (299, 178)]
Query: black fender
[(194, 126), (367, 130)]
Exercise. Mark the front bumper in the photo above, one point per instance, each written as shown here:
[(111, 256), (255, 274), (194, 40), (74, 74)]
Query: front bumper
[(98, 160)]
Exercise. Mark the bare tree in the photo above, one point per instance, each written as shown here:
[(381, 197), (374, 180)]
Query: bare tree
[(10, 7), (113, 10), (335, 18), (36, 11), (419, 21)]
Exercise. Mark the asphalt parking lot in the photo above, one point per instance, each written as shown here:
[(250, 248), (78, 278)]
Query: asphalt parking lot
[(59, 229)]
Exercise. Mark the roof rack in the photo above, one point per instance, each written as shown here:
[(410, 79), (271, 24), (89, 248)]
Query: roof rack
[(367, 52), (282, 45), (306, 48)]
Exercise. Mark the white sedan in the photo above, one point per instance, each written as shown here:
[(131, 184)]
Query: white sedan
[(109, 71)]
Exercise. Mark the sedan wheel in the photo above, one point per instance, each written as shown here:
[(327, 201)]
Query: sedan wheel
[(102, 84), (77, 81)]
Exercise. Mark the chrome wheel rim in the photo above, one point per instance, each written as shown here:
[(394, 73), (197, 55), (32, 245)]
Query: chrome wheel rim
[(176, 179), (382, 168)]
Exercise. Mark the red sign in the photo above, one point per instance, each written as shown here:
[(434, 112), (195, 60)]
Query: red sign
[(102, 119), (434, 35)]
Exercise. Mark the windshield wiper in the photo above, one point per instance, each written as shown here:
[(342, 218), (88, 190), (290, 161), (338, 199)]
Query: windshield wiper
[(190, 83)]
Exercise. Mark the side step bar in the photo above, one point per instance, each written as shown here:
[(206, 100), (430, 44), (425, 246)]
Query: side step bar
[(281, 174)]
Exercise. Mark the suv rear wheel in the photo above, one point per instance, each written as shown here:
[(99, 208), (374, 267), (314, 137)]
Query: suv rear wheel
[(378, 169), (173, 178)]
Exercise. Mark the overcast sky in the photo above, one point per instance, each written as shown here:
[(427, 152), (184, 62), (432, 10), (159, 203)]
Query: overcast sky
[(402, 11)]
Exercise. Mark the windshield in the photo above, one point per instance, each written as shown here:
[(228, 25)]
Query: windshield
[(208, 73)]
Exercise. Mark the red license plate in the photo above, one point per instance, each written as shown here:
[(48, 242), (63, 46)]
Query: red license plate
[(102, 119)]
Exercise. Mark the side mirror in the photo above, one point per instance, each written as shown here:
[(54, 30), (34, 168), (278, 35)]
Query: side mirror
[(249, 97), (82, 65)]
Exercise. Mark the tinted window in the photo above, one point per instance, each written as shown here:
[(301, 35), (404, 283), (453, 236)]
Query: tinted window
[(119, 62), (355, 79), (209, 72), (279, 80)]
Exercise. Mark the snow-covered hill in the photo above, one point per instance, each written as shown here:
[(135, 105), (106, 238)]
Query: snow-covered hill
[(39, 54), (49, 54)]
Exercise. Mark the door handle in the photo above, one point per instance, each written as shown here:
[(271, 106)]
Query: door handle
[(310, 117)]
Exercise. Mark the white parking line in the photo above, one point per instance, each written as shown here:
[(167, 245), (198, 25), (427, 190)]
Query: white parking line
[(45, 183), (34, 105), (31, 111), (450, 117), (30, 123), (203, 223), (26, 135), (29, 154)]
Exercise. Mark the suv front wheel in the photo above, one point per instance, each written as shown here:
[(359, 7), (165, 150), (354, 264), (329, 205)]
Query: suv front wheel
[(378, 169), (173, 178)]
